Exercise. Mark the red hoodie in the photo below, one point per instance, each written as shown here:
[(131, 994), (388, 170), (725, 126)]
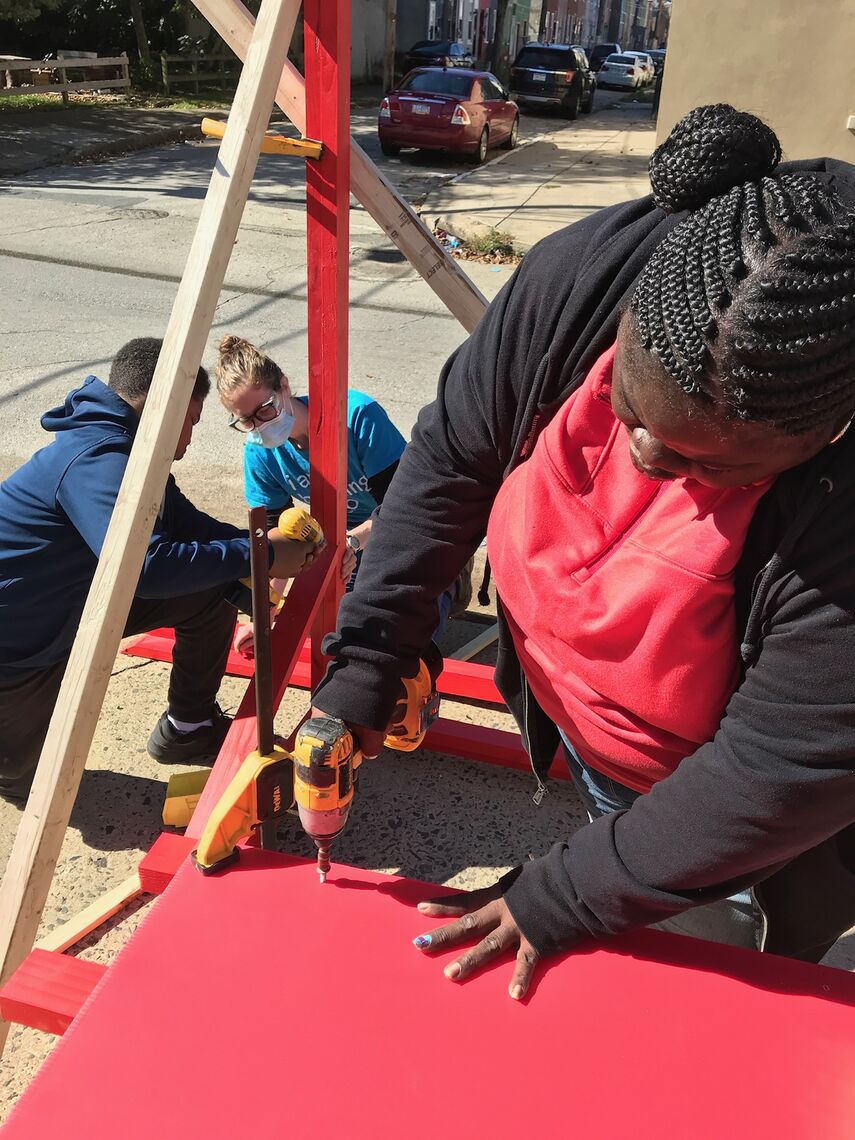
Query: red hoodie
[(618, 591)]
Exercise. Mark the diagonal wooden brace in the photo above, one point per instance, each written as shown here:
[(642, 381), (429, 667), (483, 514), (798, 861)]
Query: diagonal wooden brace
[(234, 23)]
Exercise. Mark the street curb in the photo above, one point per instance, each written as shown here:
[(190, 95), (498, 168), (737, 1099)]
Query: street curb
[(110, 148), (129, 145)]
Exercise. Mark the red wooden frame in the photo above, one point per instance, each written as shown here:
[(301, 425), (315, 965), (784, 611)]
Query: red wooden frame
[(326, 46), (48, 990), (463, 680)]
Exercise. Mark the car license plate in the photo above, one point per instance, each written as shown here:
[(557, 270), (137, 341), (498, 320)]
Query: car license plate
[(539, 76), (421, 108)]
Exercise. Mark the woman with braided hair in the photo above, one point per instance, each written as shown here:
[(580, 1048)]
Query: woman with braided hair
[(650, 424)]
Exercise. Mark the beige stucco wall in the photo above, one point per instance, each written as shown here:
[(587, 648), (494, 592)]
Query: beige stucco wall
[(792, 62)]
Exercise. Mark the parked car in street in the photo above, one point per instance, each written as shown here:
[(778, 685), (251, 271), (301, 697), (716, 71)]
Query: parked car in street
[(436, 109), (621, 71), (436, 53), (599, 53), (553, 75), (646, 63), (658, 57)]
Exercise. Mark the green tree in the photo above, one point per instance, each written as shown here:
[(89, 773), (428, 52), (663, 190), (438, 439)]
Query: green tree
[(23, 11)]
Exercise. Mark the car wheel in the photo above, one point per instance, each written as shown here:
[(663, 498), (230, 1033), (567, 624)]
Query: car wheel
[(588, 105), (389, 149), (511, 141), (480, 154), (571, 106)]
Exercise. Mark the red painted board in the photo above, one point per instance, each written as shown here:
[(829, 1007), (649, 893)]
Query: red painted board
[(160, 863), (326, 53), (48, 989), (259, 1002), (489, 745), (463, 679)]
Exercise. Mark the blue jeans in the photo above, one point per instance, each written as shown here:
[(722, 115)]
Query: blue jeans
[(736, 921)]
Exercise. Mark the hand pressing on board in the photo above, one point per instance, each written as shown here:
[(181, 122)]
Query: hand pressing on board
[(482, 915)]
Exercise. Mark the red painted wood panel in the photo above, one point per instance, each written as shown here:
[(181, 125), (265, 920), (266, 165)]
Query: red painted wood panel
[(159, 866), (259, 1001), (488, 745), (48, 990), (327, 66)]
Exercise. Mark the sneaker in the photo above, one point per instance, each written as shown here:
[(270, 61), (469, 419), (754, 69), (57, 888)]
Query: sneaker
[(169, 746)]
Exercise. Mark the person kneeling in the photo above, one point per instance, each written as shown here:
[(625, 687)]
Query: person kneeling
[(54, 514)]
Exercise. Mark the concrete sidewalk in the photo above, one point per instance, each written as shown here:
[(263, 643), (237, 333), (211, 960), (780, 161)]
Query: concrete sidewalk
[(553, 181), (30, 140)]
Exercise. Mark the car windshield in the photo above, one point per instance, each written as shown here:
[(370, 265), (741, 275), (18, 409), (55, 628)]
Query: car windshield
[(439, 83), (546, 58), (430, 47), (622, 59)]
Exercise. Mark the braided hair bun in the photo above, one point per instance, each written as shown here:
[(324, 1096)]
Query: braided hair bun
[(711, 150)]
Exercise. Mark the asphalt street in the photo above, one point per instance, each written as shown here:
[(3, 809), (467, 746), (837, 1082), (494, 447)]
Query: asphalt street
[(90, 256)]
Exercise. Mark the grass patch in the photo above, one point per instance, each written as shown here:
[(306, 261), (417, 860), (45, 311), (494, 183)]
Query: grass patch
[(494, 247), (145, 100), (52, 102)]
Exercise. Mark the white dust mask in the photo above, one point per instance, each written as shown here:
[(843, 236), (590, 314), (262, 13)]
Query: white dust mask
[(273, 433)]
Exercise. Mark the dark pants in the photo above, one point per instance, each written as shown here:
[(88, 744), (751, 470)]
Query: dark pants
[(204, 625)]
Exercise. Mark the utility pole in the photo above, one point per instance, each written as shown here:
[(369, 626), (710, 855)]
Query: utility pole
[(389, 52), (498, 51)]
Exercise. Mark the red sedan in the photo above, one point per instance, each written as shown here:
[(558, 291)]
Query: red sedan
[(460, 110)]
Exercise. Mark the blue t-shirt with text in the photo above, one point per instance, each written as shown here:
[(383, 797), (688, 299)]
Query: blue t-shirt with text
[(272, 474)]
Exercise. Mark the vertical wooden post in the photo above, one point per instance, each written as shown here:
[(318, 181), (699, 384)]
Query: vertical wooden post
[(389, 48), (37, 844), (164, 71), (63, 78), (327, 54)]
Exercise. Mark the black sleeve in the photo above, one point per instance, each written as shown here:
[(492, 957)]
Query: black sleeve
[(435, 512), (777, 779), (433, 519), (273, 513), (378, 484)]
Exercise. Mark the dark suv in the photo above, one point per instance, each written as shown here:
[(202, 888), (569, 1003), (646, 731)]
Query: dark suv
[(556, 75), (600, 52), (436, 53)]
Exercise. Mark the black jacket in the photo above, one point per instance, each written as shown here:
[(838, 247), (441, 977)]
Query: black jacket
[(770, 800)]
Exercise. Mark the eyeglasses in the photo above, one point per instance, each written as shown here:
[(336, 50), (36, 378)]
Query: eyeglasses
[(265, 412)]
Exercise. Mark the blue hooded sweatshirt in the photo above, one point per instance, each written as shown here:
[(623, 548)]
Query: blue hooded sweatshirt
[(54, 513)]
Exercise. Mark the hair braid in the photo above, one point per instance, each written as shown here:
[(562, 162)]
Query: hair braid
[(752, 295)]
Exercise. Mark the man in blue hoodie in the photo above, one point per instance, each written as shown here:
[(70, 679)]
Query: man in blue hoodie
[(54, 513)]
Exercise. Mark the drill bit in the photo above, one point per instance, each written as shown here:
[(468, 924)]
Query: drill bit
[(323, 860)]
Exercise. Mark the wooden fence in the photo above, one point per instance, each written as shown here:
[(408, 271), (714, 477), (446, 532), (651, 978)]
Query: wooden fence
[(220, 69), (45, 76)]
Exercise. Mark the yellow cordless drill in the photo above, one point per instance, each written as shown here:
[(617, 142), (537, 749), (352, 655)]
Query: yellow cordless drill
[(326, 760), (325, 763), (321, 774)]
